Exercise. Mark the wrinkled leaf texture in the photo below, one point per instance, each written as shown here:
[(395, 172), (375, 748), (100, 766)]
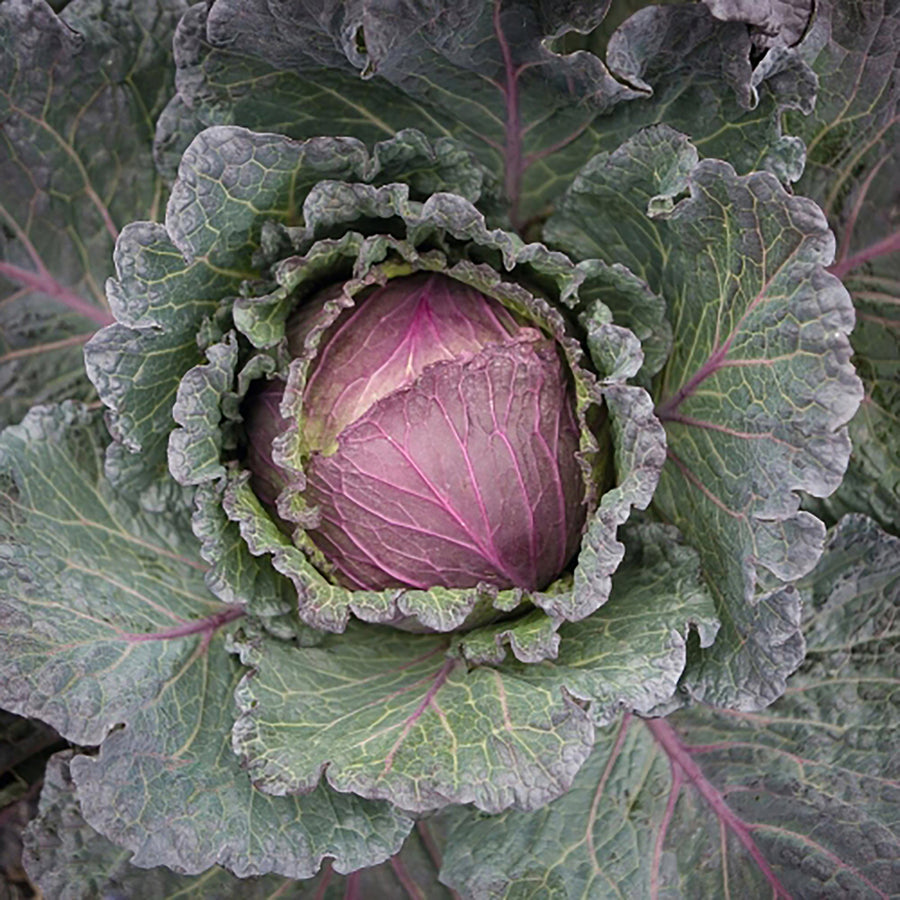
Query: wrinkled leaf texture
[(79, 98), (796, 801)]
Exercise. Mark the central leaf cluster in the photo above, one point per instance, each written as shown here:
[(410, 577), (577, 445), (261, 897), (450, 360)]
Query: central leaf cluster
[(442, 441)]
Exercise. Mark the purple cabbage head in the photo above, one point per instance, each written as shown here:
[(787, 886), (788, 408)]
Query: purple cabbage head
[(442, 442)]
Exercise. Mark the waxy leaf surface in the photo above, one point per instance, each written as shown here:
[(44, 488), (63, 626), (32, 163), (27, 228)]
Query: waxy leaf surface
[(105, 621), (853, 171), (79, 96), (757, 391), (798, 801), (422, 728)]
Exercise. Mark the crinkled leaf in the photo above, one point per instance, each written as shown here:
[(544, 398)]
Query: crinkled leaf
[(68, 860), (87, 577), (872, 482), (218, 86), (853, 49), (757, 648), (106, 621), (757, 391), (419, 728), (774, 23), (79, 96), (633, 305), (531, 638), (631, 652), (424, 74), (412, 873), (593, 842), (424, 730), (799, 801), (703, 83), (160, 301), (156, 785), (480, 71), (235, 575), (195, 449), (853, 171), (25, 747)]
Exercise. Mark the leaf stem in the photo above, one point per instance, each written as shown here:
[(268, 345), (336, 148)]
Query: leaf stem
[(45, 283), (890, 244), (679, 755), (513, 145), (201, 626), (405, 879), (440, 677), (327, 874), (667, 408), (434, 852), (351, 889), (24, 352)]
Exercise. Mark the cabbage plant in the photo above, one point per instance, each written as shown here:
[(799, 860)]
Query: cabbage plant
[(422, 445)]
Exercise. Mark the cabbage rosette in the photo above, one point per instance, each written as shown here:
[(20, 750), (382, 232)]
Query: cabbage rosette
[(412, 438), (387, 507)]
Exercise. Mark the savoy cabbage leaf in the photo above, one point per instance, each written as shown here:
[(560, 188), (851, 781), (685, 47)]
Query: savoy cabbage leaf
[(79, 96), (798, 800)]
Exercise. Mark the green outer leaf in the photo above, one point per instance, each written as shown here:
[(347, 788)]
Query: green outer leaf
[(757, 391), (106, 621), (68, 860), (231, 180), (423, 730), (604, 215), (78, 98), (631, 652), (777, 406), (424, 77), (86, 577), (531, 638), (853, 51), (156, 786), (160, 302), (195, 449), (235, 575), (798, 801), (853, 170), (872, 482), (217, 86), (593, 842), (704, 84), (417, 728), (633, 305), (445, 69)]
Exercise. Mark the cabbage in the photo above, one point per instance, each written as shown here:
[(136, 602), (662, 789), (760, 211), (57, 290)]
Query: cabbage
[(442, 439)]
